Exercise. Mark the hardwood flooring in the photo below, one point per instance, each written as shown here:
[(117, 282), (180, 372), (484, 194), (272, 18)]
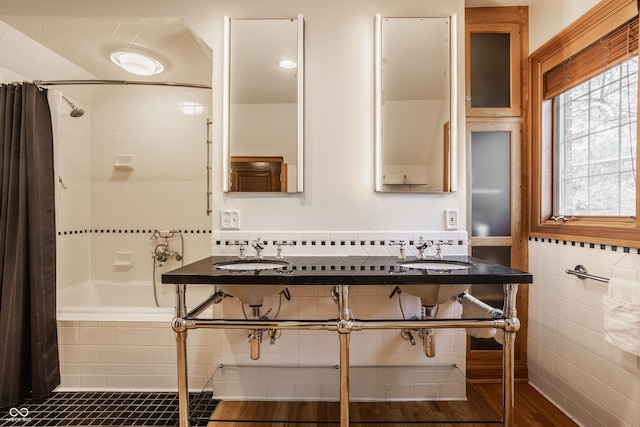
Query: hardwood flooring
[(483, 407)]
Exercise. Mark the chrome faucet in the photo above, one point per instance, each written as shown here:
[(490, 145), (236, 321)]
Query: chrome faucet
[(400, 243), (279, 244), (161, 253), (439, 244), (421, 246), (242, 244), (258, 245)]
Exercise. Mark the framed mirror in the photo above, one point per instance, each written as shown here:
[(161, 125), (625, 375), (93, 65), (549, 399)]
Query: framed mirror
[(263, 105), (415, 104)]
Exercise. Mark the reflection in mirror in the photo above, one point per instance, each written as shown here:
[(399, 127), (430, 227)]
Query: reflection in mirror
[(415, 104), (263, 105)]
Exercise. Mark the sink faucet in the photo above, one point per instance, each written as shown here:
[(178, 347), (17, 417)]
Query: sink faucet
[(439, 244), (258, 245), (279, 244), (242, 244), (421, 246), (400, 243)]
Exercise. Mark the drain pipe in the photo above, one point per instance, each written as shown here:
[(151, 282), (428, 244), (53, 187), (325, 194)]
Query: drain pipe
[(429, 312), (255, 335)]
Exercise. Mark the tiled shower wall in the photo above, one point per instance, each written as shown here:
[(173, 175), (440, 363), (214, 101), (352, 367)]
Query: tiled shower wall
[(102, 210), (569, 360)]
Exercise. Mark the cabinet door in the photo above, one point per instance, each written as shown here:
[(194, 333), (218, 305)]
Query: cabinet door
[(493, 70)]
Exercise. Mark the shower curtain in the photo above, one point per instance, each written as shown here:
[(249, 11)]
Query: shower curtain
[(28, 337)]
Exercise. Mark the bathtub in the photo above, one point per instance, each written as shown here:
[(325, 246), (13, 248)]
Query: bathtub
[(112, 337), (122, 301)]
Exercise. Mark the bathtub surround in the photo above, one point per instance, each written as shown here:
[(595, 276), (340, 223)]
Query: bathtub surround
[(28, 340)]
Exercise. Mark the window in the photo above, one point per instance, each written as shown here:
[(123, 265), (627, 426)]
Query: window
[(595, 145), (583, 129)]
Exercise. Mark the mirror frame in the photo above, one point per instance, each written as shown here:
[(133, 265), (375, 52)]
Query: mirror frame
[(226, 106), (453, 113)]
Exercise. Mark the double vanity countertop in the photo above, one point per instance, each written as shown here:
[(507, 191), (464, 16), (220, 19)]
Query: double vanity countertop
[(346, 270)]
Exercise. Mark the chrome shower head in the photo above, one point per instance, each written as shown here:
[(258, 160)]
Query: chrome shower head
[(75, 111)]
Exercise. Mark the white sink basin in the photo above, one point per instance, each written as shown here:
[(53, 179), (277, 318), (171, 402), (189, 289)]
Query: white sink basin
[(252, 295), (250, 265), (435, 265), (431, 295)]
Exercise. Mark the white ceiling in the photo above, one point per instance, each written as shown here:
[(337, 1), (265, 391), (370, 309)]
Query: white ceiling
[(88, 41)]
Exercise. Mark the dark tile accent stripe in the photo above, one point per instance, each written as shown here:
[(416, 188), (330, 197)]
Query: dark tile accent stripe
[(613, 248), (331, 242), (106, 409), (124, 231)]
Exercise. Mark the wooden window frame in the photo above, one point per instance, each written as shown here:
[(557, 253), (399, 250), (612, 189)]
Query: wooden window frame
[(597, 22)]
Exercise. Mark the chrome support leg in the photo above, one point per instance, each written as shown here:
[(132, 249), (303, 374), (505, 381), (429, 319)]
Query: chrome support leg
[(344, 331), (181, 346), (508, 369)]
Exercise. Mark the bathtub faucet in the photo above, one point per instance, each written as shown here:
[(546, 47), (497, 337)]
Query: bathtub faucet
[(162, 253)]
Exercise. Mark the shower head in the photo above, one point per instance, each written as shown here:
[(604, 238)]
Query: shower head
[(75, 111)]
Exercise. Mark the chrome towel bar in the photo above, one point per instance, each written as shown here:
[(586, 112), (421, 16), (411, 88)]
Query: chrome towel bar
[(581, 272)]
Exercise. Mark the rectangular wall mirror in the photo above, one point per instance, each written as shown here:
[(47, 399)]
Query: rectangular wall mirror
[(416, 108), (263, 105)]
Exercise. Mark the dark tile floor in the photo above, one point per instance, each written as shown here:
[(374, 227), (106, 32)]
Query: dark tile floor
[(105, 409)]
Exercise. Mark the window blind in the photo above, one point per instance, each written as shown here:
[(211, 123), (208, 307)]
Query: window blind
[(615, 47)]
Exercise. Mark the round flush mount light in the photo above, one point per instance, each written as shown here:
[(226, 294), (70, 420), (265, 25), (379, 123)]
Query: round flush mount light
[(137, 63), (287, 64)]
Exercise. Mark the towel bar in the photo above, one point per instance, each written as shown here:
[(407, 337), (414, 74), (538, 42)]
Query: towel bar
[(581, 272)]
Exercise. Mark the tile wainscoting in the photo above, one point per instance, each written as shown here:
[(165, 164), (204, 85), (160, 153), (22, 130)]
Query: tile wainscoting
[(569, 360)]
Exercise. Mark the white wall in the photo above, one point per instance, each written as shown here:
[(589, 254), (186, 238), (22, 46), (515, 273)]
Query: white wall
[(339, 154), (549, 17)]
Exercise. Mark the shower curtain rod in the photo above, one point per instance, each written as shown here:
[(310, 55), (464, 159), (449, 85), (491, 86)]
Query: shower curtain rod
[(45, 83)]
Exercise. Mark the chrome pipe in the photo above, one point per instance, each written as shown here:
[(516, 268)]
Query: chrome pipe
[(335, 325), (344, 328), (512, 324), (255, 338), (260, 324), (204, 305), (45, 83), (209, 167), (181, 349)]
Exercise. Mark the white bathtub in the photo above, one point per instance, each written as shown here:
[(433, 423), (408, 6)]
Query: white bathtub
[(122, 301)]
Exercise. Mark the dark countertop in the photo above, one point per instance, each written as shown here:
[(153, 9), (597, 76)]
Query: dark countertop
[(345, 270)]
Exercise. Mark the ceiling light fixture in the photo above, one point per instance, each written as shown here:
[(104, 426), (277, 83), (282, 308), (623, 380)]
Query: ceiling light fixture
[(137, 63), (287, 64)]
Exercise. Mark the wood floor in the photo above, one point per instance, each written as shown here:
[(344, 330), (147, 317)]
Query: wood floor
[(483, 407)]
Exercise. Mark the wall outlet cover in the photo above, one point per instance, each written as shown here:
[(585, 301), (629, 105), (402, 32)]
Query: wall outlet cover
[(451, 219), (230, 219)]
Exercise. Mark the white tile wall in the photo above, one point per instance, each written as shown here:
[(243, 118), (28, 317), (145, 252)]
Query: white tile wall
[(128, 356), (569, 360)]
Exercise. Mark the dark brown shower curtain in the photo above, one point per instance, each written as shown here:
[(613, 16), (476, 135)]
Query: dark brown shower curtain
[(28, 338)]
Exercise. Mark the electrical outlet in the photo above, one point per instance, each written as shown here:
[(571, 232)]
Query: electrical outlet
[(230, 219), (451, 219)]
